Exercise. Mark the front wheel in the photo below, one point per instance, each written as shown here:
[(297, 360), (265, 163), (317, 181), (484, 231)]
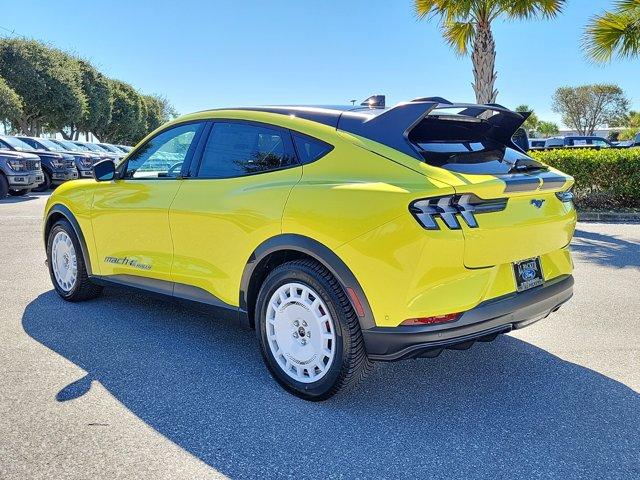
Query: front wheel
[(309, 335), (66, 265)]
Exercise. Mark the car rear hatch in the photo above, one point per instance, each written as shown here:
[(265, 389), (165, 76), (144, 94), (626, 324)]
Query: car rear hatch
[(509, 206), (516, 208)]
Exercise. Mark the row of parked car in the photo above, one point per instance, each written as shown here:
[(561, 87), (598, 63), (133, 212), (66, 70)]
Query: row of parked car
[(38, 164), (575, 141)]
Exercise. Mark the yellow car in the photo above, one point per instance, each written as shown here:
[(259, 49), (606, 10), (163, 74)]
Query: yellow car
[(342, 235)]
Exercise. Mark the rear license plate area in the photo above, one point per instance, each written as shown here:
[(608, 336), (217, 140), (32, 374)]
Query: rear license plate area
[(528, 274)]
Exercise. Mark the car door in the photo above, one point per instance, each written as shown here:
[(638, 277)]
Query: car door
[(232, 202), (130, 215)]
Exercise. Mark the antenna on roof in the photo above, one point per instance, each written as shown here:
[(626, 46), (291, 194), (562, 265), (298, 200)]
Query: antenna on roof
[(374, 101)]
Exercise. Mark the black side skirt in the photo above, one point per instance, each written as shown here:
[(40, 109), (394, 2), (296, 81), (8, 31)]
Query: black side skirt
[(173, 290)]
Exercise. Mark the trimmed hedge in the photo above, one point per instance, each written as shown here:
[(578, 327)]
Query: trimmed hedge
[(605, 179)]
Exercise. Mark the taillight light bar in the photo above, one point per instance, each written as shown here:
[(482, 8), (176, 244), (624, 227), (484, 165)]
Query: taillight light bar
[(448, 207), (436, 319)]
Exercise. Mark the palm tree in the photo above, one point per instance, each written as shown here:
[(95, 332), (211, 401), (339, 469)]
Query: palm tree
[(615, 33), (466, 26)]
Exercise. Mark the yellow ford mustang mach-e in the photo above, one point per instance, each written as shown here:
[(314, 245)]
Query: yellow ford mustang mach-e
[(342, 235)]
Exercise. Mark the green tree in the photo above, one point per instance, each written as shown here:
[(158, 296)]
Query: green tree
[(128, 116), (546, 129), (466, 27), (10, 104), (588, 107), (159, 111), (47, 80), (97, 90), (614, 33), (633, 126), (531, 124)]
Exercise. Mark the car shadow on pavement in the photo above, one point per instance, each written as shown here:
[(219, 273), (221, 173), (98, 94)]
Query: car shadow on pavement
[(21, 199), (606, 250), (502, 410)]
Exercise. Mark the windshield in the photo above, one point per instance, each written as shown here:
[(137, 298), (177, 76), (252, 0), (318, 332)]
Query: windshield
[(45, 142), (67, 145), (109, 148), (18, 144), (91, 147)]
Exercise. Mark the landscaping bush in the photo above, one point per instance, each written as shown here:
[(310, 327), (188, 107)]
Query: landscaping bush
[(605, 179)]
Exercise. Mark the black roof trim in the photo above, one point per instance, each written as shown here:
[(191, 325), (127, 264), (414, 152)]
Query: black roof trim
[(391, 126)]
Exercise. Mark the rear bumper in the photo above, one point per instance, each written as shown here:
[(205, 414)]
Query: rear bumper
[(482, 323)]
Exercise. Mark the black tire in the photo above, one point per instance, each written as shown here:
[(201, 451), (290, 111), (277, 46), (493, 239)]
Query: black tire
[(83, 289), (19, 193), (350, 363), (4, 187), (46, 184)]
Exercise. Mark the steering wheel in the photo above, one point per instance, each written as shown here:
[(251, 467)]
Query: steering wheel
[(173, 168)]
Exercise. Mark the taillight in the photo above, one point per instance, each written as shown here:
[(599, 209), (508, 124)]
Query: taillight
[(449, 207), (437, 319)]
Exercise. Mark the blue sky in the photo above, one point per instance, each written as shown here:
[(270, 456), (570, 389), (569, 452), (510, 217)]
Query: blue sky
[(204, 54)]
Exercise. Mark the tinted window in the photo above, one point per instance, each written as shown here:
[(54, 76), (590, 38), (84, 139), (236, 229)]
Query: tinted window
[(310, 149), (17, 144), (30, 142), (236, 149), (163, 155), (478, 157)]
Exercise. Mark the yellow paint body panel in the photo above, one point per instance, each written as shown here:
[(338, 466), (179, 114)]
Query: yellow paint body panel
[(354, 200)]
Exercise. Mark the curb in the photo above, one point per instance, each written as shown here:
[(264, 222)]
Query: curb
[(609, 217)]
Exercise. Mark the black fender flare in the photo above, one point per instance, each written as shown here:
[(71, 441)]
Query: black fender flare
[(316, 250), (57, 210)]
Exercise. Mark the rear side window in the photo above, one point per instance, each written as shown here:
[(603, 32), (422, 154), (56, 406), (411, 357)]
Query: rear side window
[(235, 149), (310, 149)]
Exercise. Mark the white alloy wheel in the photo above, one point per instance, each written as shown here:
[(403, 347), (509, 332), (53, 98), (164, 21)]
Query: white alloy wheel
[(64, 261), (300, 332)]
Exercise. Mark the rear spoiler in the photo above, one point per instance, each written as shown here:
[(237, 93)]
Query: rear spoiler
[(392, 127)]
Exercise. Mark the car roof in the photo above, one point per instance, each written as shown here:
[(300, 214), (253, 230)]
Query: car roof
[(325, 114)]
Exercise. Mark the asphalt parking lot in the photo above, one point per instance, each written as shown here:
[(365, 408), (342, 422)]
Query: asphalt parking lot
[(130, 386)]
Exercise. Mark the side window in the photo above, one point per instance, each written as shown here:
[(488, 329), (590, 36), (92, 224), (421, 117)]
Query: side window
[(163, 155), (310, 149), (235, 149)]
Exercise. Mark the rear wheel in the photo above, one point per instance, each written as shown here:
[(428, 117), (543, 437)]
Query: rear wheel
[(309, 335), (66, 265), (45, 185), (19, 193)]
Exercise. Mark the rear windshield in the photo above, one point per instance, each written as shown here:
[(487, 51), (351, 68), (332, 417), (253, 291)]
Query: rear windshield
[(464, 147)]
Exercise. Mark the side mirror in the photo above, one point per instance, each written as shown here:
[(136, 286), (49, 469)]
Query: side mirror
[(104, 171)]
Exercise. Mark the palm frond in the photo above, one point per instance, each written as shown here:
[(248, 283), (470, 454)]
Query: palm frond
[(459, 36), (530, 9), (446, 10), (615, 33)]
